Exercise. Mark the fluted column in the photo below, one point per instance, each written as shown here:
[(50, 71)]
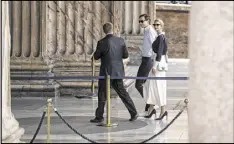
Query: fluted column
[(210, 109), (61, 24), (78, 28), (143, 10), (16, 31), (70, 28), (135, 17), (51, 26), (152, 11), (88, 42), (11, 132), (26, 29), (35, 28), (131, 10)]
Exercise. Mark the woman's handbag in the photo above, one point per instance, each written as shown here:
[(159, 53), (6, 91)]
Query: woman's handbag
[(162, 66)]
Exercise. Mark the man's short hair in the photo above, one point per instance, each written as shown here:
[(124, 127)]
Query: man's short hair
[(108, 27), (147, 17)]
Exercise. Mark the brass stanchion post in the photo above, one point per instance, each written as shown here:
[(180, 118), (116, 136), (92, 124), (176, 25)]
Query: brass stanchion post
[(108, 113), (48, 119), (108, 122), (93, 74)]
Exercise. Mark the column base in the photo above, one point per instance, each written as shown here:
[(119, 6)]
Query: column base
[(14, 137), (11, 132)]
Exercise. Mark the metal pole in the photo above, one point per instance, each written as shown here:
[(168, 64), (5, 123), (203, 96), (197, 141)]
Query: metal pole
[(93, 73), (108, 107), (108, 122), (48, 119)]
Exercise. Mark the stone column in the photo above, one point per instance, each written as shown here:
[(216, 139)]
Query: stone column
[(11, 132), (210, 110)]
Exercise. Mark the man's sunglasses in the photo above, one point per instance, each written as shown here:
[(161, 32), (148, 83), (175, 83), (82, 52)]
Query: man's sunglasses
[(156, 24), (141, 21)]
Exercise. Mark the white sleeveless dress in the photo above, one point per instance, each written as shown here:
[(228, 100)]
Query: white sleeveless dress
[(155, 91)]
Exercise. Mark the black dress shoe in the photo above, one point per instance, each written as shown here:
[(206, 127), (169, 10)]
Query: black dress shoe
[(96, 120), (134, 117)]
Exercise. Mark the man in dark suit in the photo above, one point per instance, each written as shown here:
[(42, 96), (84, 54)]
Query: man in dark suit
[(111, 50)]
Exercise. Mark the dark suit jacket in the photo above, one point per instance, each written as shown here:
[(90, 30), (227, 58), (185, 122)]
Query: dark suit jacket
[(111, 50)]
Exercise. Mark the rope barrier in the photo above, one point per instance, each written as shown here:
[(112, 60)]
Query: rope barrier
[(92, 77), (162, 130), (39, 126), (108, 119), (92, 141), (152, 137), (55, 110)]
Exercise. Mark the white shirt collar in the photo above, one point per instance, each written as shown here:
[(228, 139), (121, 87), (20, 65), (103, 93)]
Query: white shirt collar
[(109, 33)]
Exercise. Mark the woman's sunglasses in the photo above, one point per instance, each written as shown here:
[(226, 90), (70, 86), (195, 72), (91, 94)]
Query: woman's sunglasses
[(156, 24)]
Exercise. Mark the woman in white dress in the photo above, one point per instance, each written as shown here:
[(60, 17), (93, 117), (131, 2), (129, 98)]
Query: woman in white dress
[(155, 91)]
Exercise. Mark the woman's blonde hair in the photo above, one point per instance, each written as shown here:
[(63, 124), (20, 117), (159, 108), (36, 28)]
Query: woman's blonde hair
[(160, 21)]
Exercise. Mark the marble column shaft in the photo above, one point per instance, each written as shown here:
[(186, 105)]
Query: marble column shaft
[(210, 110), (11, 132), (130, 14)]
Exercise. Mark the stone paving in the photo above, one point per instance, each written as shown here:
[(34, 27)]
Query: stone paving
[(78, 112)]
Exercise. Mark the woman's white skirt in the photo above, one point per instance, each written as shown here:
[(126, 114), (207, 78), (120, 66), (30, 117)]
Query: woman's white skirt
[(155, 91)]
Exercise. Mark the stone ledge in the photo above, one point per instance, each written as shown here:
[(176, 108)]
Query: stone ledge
[(173, 7)]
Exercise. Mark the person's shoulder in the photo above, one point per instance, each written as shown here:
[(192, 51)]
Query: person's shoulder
[(161, 36), (118, 38), (102, 40)]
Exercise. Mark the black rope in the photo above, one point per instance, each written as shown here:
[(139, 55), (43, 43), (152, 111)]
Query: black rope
[(39, 126), (162, 130), (73, 128)]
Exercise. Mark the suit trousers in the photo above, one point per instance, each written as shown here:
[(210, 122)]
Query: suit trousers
[(143, 71), (117, 85)]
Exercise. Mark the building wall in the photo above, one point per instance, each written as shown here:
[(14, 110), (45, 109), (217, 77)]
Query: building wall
[(176, 18), (58, 38)]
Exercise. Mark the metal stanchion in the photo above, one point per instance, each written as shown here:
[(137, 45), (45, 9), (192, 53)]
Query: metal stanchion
[(48, 119), (108, 123), (108, 113), (93, 74)]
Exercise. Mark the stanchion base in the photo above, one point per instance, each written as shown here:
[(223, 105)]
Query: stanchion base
[(108, 125)]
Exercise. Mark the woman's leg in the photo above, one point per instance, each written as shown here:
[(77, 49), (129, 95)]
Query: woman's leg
[(163, 109), (164, 97), (151, 108), (162, 93)]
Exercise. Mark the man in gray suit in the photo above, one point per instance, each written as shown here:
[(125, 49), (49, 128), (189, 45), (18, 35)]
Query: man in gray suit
[(111, 50)]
